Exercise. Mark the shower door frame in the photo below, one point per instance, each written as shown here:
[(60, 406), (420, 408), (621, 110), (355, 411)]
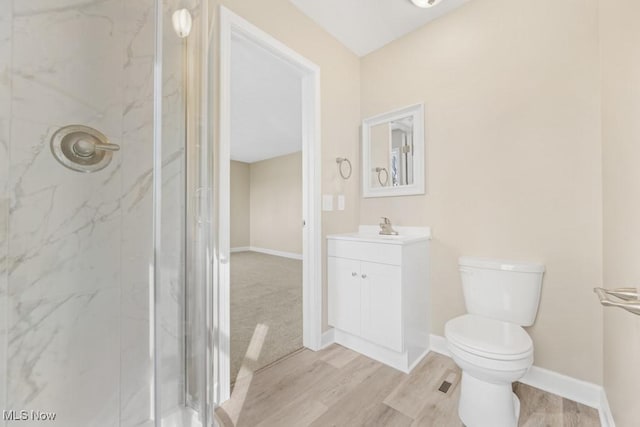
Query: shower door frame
[(199, 181), (312, 304)]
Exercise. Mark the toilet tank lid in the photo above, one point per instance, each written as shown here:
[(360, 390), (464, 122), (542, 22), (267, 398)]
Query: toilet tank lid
[(500, 264)]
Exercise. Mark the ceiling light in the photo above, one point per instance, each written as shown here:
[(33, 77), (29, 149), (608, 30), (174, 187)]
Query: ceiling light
[(425, 3)]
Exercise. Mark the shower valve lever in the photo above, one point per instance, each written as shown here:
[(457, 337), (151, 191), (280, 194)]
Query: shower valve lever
[(107, 147), (82, 148)]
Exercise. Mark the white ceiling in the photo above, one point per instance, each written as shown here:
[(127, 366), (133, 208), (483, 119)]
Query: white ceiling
[(266, 96), (366, 25)]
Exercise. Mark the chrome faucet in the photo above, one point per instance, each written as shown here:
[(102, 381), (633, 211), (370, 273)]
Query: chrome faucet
[(386, 228)]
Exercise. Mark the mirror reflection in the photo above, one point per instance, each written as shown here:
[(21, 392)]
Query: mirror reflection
[(392, 153)]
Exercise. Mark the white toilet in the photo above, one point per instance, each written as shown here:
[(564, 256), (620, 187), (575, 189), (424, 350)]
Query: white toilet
[(489, 343)]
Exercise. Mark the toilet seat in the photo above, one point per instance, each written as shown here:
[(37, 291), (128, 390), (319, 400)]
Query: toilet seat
[(489, 338)]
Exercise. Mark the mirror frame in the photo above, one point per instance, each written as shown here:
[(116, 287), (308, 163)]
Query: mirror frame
[(418, 187)]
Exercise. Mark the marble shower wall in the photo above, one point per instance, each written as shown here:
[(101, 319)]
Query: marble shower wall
[(5, 113), (137, 205), (76, 249)]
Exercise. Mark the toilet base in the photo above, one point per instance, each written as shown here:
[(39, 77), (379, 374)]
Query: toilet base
[(484, 404)]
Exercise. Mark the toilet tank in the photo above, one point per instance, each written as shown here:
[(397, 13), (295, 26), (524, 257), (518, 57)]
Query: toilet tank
[(502, 290)]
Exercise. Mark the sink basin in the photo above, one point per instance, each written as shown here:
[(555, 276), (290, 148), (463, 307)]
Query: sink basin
[(371, 233), (382, 236)]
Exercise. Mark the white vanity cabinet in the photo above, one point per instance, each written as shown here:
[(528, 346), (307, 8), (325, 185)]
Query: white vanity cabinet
[(378, 299), (364, 299)]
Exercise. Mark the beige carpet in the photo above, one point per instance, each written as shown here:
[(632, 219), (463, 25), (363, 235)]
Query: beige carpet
[(266, 310)]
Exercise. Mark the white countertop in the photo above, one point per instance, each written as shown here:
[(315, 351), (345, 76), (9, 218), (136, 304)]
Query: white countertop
[(370, 234)]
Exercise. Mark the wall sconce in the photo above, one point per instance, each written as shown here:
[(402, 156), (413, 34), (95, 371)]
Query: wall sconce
[(425, 3), (182, 22)]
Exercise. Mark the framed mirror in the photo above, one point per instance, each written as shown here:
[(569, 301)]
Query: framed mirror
[(393, 153)]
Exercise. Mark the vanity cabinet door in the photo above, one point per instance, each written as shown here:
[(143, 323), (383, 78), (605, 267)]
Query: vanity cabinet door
[(382, 304), (345, 285)]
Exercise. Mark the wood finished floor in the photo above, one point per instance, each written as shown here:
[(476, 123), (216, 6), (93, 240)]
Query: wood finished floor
[(339, 387)]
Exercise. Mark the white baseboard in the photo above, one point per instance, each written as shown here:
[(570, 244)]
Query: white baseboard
[(328, 338), (584, 392), (606, 417), (565, 386), (439, 345), (423, 353), (402, 361), (283, 254), (562, 385)]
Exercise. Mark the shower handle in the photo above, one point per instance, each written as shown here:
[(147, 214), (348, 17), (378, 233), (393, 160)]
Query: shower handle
[(82, 148), (107, 147), (88, 147)]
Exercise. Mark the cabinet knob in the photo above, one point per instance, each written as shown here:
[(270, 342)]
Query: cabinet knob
[(364, 276), (354, 274)]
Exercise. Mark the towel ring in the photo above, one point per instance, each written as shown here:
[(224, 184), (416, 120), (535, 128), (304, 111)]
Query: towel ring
[(386, 176), (340, 161)]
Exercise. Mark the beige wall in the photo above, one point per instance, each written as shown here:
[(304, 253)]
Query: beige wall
[(340, 100), (620, 33), (266, 204), (276, 203), (240, 204), (511, 93), (513, 148)]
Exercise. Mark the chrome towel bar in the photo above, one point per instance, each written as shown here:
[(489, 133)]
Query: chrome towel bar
[(628, 298)]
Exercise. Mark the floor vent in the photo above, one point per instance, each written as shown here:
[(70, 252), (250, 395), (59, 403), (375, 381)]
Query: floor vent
[(444, 387), (448, 381)]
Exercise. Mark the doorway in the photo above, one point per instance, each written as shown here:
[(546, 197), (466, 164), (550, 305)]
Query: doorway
[(240, 44), (266, 258)]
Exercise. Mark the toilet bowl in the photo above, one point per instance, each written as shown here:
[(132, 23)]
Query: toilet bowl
[(489, 344), (492, 355)]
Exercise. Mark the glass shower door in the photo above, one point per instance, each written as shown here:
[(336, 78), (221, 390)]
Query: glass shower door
[(182, 183)]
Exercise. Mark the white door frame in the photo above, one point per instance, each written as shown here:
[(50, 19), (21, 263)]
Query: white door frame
[(232, 24)]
